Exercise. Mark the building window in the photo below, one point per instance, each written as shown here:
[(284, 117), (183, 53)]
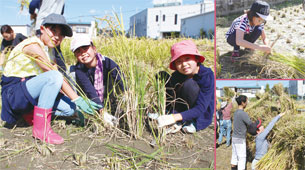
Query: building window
[(303, 81), (80, 30), (163, 17), (157, 18), (176, 19)]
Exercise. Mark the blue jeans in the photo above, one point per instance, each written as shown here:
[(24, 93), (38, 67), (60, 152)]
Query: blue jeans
[(45, 88), (225, 128), (251, 37)]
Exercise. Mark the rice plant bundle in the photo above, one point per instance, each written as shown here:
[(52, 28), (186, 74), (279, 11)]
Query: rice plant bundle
[(229, 93), (287, 104), (287, 136), (266, 96), (276, 65), (288, 145)]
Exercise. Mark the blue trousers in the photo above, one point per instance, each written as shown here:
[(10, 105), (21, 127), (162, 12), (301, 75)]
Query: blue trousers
[(45, 88), (225, 129), (251, 37)]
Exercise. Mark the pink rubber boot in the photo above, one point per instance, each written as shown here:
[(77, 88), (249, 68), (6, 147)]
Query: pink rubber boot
[(42, 126)]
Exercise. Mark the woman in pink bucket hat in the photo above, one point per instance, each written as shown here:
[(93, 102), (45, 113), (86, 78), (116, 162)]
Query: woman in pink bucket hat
[(190, 90)]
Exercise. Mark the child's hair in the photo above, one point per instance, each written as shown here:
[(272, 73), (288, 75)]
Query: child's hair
[(198, 58), (6, 29), (250, 15), (91, 43), (240, 99), (51, 26)]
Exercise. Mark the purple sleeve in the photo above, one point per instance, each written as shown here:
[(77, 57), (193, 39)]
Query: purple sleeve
[(205, 97), (85, 84), (116, 74)]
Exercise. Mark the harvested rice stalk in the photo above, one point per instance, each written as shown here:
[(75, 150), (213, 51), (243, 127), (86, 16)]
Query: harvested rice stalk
[(278, 89), (287, 104), (229, 93), (265, 97), (287, 147)]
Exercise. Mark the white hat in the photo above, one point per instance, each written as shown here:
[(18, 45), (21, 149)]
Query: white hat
[(265, 17), (223, 104), (79, 41)]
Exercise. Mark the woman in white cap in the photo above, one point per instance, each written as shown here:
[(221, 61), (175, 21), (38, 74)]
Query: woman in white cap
[(246, 29), (31, 83), (190, 89)]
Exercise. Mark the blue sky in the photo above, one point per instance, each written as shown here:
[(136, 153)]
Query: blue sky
[(222, 83), (79, 10)]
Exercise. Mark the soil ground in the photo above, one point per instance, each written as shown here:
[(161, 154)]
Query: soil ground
[(223, 157), (18, 150), (288, 21)]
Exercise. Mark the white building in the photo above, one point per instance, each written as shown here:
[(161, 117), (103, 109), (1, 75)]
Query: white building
[(192, 26), (248, 91), (297, 87), (77, 28), (83, 28), (165, 18)]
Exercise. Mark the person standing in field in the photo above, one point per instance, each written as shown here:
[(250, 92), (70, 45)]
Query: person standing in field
[(10, 40), (46, 7), (225, 124), (246, 29), (241, 121), (97, 75), (190, 90), (261, 142), (31, 84)]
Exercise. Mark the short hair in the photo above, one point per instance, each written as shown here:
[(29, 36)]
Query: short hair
[(198, 58), (6, 29), (51, 26), (240, 99), (91, 43)]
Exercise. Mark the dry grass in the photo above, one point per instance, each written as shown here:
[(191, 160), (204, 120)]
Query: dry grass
[(287, 137), (98, 145)]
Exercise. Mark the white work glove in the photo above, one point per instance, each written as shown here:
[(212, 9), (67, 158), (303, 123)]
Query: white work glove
[(174, 128), (165, 120), (153, 116), (109, 119)]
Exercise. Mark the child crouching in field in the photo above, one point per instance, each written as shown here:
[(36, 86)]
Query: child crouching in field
[(97, 75), (246, 29), (190, 89), (31, 83)]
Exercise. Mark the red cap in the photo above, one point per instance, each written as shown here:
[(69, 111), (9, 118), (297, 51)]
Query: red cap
[(185, 47)]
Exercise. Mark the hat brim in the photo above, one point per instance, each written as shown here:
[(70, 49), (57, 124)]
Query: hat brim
[(265, 17), (80, 45), (172, 64)]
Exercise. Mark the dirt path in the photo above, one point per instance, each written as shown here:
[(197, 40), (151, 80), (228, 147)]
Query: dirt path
[(223, 157), (288, 22), (19, 151)]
